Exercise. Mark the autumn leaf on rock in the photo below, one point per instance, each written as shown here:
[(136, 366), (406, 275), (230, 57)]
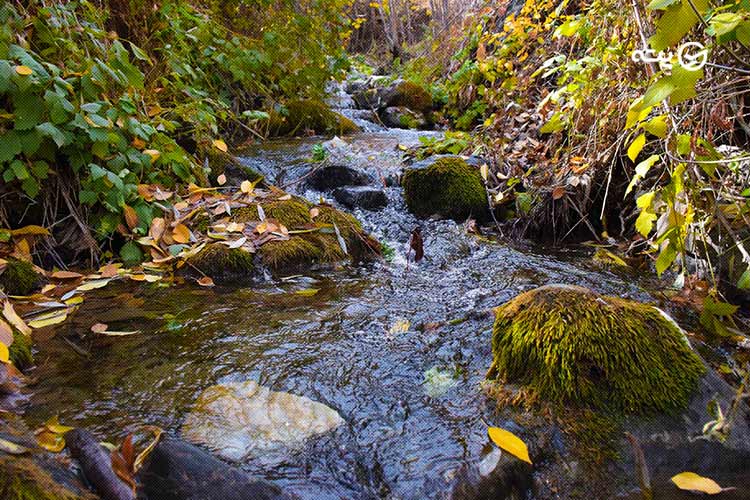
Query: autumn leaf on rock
[(509, 442), (690, 481)]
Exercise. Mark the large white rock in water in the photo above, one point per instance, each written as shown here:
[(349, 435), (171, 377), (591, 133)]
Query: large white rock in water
[(241, 420)]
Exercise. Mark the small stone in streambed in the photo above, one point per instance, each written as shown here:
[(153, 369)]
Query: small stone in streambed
[(363, 197), (334, 176), (241, 420)]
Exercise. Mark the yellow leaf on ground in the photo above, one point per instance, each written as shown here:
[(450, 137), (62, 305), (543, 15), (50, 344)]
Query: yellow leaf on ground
[(400, 326), (94, 284), (14, 319), (49, 319), (308, 292), (12, 448), (181, 234), (53, 425), (4, 353), (24, 70), (246, 187), (50, 441), (220, 145), (221, 179), (509, 442), (691, 481), (31, 230)]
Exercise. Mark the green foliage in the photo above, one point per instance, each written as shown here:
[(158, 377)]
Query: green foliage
[(103, 115), (567, 344), (451, 143), (20, 351), (449, 187)]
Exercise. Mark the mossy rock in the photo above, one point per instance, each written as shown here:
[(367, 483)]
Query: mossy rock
[(312, 115), (19, 278), (220, 261), (20, 351), (449, 187), (412, 96), (566, 344)]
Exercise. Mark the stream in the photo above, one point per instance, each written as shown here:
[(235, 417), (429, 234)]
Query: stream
[(415, 411)]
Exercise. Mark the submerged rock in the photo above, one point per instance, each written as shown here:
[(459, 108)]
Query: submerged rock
[(243, 419), (334, 176), (448, 187), (568, 344), (309, 114), (363, 197), (176, 470)]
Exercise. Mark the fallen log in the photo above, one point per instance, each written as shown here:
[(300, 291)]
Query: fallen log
[(96, 465)]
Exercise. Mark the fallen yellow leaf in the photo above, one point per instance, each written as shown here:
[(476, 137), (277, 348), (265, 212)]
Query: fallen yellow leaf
[(14, 319), (509, 442), (49, 319), (4, 353), (50, 441), (12, 448), (153, 153), (691, 481), (221, 179), (24, 70), (181, 234), (53, 425), (246, 187), (220, 145)]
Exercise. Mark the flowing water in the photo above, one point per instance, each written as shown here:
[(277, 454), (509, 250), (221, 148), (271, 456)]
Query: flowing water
[(412, 400)]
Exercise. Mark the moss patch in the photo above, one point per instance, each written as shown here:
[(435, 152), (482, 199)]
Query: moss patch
[(20, 351), (19, 278), (293, 213), (567, 344), (449, 187), (22, 479), (293, 252), (412, 96), (219, 261), (312, 115)]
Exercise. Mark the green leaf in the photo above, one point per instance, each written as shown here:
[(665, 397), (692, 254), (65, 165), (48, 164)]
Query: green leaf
[(659, 91), (665, 259), (28, 110), (57, 135), (555, 124), (723, 23), (684, 82), (744, 282), (657, 126), (636, 146), (743, 33), (637, 112), (131, 254), (10, 146), (641, 170), (661, 4), (676, 21)]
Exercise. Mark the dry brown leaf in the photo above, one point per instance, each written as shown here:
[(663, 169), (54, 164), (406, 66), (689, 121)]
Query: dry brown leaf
[(6, 333), (158, 224), (558, 192), (131, 217), (206, 281), (66, 275), (14, 319)]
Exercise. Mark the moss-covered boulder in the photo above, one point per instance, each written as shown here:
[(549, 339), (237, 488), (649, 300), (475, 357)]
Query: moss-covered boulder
[(449, 187), (309, 236), (569, 345), (410, 95), (309, 114), (18, 277)]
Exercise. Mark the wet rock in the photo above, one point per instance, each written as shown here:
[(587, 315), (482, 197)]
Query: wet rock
[(402, 117), (565, 344), (240, 420), (309, 115), (497, 475), (363, 197), (334, 176), (399, 93), (448, 187), (176, 470), (35, 474)]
